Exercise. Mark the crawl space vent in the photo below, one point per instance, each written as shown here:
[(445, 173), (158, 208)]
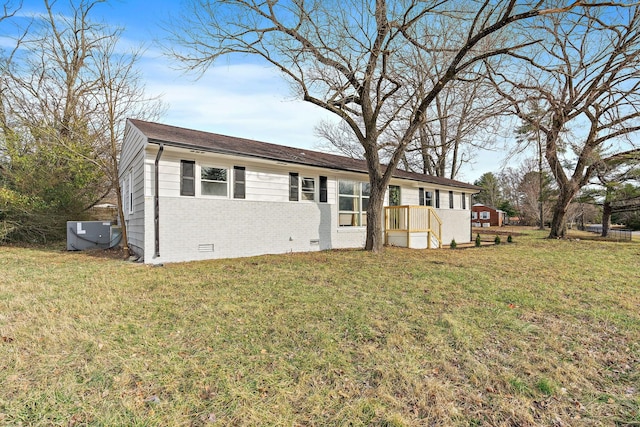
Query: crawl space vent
[(205, 247)]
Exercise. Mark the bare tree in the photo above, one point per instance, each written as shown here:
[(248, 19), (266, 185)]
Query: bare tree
[(65, 96), (529, 133), (121, 94), (44, 119), (461, 119), (535, 200), (587, 80), (463, 115), (345, 57), (509, 179)]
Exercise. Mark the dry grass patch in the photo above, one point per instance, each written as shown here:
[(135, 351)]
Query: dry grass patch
[(536, 333)]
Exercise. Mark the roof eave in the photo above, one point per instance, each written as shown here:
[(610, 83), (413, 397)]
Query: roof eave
[(252, 156), (472, 189)]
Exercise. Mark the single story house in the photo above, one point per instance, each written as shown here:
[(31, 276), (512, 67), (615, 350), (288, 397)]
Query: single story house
[(485, 216), (192, 195)]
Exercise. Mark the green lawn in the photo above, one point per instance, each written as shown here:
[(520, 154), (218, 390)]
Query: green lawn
[(537, 332)]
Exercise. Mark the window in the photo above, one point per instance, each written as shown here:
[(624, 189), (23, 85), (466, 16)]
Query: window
[(394, 195), (213, 181), (187, 178), (308, 189), (484, 215), (130, 190), (353, 201), (293, 186), (450, 199), (124, 190), (464, 201), (437, 199), (239, 182), (425, 197), (474, 215), (323, 189)]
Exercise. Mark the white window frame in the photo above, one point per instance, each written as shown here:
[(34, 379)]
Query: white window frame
[(306, 195), (485, 215), (361, 211), (201, 180), (474, 215), (428, 200), (123, 196)]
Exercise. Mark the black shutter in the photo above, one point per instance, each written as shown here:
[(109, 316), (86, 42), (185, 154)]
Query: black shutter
[(187, 178), (437, 199), (323, 189), (293, 186), (238, 182), (421, 196)]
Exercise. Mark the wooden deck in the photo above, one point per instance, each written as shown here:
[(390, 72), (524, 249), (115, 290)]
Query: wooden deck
[(417, 227)]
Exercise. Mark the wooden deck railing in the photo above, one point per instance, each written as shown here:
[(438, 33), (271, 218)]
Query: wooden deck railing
[(413, 219)]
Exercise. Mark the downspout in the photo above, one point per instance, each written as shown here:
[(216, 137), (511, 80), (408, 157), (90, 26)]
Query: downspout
[(156, 202)]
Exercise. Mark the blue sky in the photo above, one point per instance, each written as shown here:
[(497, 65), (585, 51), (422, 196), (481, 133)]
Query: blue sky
[(244, 99)]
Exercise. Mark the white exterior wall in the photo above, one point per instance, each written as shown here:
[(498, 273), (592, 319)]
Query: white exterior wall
[(196, 228), (131, 165), (456, 224), (265, 222)]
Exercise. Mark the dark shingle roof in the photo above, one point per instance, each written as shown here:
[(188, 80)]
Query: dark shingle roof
[(211, 142)]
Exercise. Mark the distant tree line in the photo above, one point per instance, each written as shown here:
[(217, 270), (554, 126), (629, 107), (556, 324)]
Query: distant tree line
[(517, 192)]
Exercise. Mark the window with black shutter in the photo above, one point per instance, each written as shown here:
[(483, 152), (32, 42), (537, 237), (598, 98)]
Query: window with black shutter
[(293, 186), (239, 182), (323, 189), (187, 178)]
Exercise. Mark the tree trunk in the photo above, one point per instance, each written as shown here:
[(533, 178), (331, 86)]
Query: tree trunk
[(375, 216), (606, 218), (558, 223)]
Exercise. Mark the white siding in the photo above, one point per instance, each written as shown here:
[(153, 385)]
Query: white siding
[(267, 185), (262, 182), (131, 164), (410, 196), (134, 141)]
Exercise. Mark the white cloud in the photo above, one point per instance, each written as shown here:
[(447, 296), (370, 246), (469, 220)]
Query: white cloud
[(244, 100)]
